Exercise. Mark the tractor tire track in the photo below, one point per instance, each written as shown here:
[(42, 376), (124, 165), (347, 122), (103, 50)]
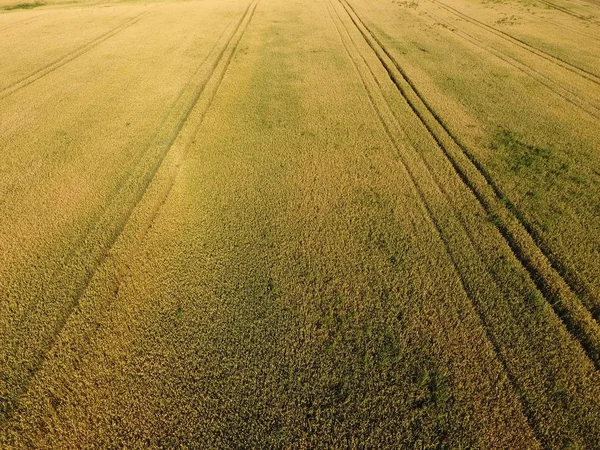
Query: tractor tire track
[(65, 59), (132, 191), (586, 74), (560, 280), (570, 29), (572, 279), (536, 75), (73, 255), (19, 23), (201, 111), (465, 284), (576, 317), (568, 11), (164, 118)]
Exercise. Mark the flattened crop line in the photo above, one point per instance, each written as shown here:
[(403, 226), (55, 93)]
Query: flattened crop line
[(567, 11), (577, 319), (434, 221), (531, 72), (137, 182), (74, 54), (19, 23), (547, 278), (590, 76), (218, 79), (571, 29), (171, 109), (567, 282)]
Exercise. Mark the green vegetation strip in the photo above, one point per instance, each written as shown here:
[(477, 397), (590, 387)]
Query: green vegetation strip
[(23, 6)]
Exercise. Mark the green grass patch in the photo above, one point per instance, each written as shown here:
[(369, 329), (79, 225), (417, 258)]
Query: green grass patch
[(30, 5), (520, 155)]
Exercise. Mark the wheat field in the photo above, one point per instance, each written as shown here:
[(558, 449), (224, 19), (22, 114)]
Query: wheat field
[(300, 224)]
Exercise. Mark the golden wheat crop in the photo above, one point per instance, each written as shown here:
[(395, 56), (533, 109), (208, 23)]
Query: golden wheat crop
[(291, 224)]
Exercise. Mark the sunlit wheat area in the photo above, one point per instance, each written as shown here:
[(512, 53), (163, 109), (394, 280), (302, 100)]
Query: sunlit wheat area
[(300, 224)]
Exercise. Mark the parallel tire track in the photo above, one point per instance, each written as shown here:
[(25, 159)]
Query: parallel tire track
[(575, 316), (571, 29), (570, 279), (590, 76), (133, 189), (74, 54), (566, 94), (201, 110), (465, 284), (181, 102), (568, 11)]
